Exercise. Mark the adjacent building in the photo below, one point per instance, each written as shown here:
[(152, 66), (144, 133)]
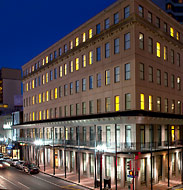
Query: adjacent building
[(113, 86)]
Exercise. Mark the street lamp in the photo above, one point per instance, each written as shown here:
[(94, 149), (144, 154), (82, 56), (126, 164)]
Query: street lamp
[(100, 149)]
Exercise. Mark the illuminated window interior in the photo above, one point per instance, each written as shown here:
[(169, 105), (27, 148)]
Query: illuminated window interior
[(51, 94), (30, 117), (27, 87), (3, 106), (65, 69), (71, 67), (77, 41), (46, 59), (142, 101), (116, 103), (71, 44), (39, 98), (77, 64), (178, 36), (40, 115), (47, 95), (33, 100), (84, 37), (169, 6), (158, 52), (171, 32), (44, 117), (33, 116), (43, 62), (43, 96), (32, 83), (165, 53), (150, 103), (43, 77), (33, 68), (56, 93), (90, 33), (173, 133), (60, 71), (84, 60), (91, 57), (46, 77)]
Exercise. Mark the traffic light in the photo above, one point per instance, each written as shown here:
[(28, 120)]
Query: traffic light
[(129, 165)]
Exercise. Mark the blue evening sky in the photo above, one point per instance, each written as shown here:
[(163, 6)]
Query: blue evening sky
[(27, 27)]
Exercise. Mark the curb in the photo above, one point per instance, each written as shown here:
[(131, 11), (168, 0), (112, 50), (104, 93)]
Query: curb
[(67, 180)]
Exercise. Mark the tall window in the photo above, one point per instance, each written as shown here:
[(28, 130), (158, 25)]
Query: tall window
[(127, 41), (60, 91), (65, 69), (83, 84), (127, 71), (107, 104), (166, 79), (71, 66), (142, 71), (116, 74), (116, 103), (60, 51), (77, 41), (158, 104), (165, 53), (98, 51), (90, 82), (172, 81), (77, 64), (158, 49), (77, 109), (171, 32), (98, 80), (60, 71), (166, 105), (165, 27), (55, 73), (55, 54), (178, 59), (107, 77), (116, 18), (98, 105), (71, 88), (84, 108), (128, 135), (116, 46), (107, 50), (150, 74), (158, 22), (107, 23), (90, 33), (65, 90), (150, 103), (127, 101), (71, 44), (158, 77), (142, 103), (83, 60), (91, 57), (91, 109), (65, 48), (179, 107), (77, 86), (141, 41), (71, 109), (178, 83), (173, 106), (84, 37), (98, 29), (172, 56), (56, 93), (150, 45), (149, 17), (126, 12), (141, 11)]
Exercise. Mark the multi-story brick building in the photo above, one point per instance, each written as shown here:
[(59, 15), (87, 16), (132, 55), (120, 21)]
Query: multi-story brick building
[(113, 81)]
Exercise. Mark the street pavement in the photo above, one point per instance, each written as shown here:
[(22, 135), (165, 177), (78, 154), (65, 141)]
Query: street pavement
[(14, 179)]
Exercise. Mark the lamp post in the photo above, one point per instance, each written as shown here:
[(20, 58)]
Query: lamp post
[(101, 149)]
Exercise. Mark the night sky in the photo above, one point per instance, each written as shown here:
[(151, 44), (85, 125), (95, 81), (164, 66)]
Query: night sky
[(28, 27)]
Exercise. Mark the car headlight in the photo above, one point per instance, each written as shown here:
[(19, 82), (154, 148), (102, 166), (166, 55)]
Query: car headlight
[(6, 164), (1, 165)]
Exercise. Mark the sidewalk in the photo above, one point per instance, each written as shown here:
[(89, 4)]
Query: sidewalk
[(89, 182)]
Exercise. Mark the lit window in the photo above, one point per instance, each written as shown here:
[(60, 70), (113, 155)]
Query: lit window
[(43, 96), (46, 77), (77, 41), (84, 37), (158, 52), (178, 36), (71, 44), (142, 101), (150, 103), (33, 116), (165, 53), (171, 32), (107, 104), (39, 98), (40, 115), (56, 96), (65, 69), (43, 79), (107, 77), (47, 95), (46, 59), (169, 6), (91, 57), (47, 114), (71, 67), (32, 83), (90, 33), (116, 103), (77, 64), (60, 71), (27, 87), (43, 62), (51, 93), (83, 60), (178, 83), (33, 100)]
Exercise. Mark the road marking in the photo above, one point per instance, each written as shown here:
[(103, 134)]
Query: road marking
[(66, 187), (8, 181), (23, 185), (2, 187)]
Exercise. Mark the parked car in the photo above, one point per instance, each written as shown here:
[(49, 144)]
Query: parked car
[(1, 155), (3, 164), (19, 164), (13, 161), (30, 168), (7, 159)]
